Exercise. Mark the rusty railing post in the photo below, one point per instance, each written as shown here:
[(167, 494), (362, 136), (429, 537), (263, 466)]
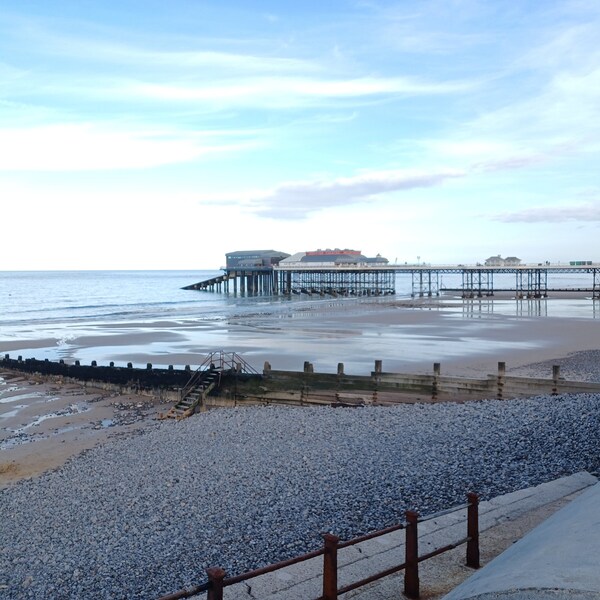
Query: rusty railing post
[(215, 580), (411, 571), (473, 531), (330, 566)]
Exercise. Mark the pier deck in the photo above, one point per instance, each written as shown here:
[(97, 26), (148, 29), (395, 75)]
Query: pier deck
[(478, 281)]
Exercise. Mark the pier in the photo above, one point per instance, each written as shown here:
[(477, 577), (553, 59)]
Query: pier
[(476, 281), (250, 280), (247, 272), (479, 281)]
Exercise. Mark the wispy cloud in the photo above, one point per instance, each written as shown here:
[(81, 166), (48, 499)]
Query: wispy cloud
[(9, 73), (532, 159), (77, 147), (562, 83), (554, 214), (118, 53), (297, 200), (201, 73), (284, 92)]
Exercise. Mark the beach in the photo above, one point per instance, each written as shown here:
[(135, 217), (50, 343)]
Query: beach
[(45, 422), (407, 335), (64, 443), (143, 515)]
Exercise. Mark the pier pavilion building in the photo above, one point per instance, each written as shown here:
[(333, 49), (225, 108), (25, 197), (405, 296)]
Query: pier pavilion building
[(335, 272)]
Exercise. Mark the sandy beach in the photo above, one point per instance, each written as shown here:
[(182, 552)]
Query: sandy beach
[(44, 423), (407, 335)]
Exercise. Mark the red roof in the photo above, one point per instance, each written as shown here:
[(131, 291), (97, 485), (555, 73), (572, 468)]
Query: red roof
[(336, 252)]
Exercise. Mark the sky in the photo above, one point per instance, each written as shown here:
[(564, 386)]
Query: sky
[(144, 134)]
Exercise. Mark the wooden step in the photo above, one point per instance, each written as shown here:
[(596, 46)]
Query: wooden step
[(185, 407)]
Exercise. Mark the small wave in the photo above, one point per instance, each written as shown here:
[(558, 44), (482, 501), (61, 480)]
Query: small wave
[(65, 339)]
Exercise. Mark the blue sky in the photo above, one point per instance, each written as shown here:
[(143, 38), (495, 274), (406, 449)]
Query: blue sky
[(161, 135)]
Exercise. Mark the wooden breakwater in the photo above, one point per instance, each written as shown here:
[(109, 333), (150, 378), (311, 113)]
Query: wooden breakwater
[(307, 387), (160, 383)]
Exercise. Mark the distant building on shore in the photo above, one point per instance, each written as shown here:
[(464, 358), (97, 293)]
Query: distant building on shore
[(333, 258), (498, 261)]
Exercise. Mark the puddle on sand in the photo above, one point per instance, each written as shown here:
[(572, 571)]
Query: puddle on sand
[(20, 439), (9, 391), (13, 398), (71, 410), (12, 413), (65, 429)]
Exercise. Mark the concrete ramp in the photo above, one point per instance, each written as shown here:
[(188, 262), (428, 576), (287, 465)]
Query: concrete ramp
[(559, 559)]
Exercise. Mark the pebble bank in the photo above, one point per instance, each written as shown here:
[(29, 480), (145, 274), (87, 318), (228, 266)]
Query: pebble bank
[(239, 488)]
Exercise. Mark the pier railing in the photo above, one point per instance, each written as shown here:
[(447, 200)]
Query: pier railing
[(531, 281), (217, 578)]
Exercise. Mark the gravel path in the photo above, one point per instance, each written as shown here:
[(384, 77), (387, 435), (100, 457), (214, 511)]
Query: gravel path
[(239, 488)]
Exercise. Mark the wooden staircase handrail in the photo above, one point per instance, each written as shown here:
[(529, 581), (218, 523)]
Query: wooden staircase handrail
[(196, 376), (221, 360), (216, 362)]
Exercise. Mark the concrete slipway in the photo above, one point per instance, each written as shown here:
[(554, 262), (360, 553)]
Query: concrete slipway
[(558, 559)]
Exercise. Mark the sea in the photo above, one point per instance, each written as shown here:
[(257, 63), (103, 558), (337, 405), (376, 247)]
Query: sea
[(146, 317)]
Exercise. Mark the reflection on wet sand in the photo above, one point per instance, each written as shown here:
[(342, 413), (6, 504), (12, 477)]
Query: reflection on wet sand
[(405, 333)]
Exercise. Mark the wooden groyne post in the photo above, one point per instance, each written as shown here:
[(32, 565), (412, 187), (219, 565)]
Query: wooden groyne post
[(437, 369), (501, 380), (377, 379), (555, 378)]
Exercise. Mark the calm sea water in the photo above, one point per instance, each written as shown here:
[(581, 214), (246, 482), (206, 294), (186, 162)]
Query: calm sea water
[(145, 316), (34, 298), (65, 296)]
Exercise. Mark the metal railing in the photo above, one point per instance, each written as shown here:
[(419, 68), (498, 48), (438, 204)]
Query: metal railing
[(218, 580)]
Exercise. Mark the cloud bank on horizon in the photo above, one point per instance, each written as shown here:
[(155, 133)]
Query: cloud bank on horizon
[(145, 135)]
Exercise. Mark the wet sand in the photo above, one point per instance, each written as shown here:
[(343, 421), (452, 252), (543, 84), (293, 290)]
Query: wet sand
[(44, 423), (407, 335)]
